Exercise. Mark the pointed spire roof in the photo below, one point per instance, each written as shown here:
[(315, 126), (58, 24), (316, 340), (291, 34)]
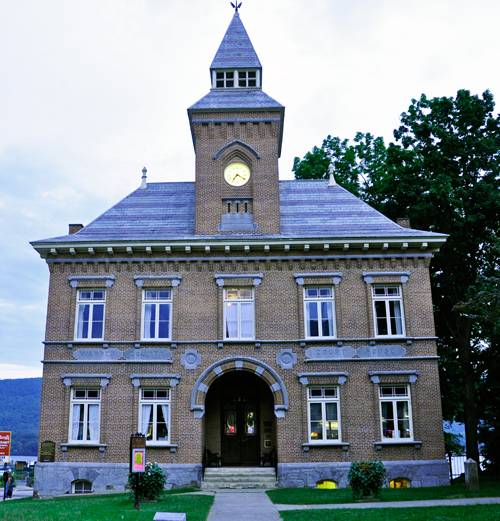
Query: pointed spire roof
[(236, 49)]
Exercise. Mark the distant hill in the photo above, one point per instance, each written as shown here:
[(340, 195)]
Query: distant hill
[(20, 413)]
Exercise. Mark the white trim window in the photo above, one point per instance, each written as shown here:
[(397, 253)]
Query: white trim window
[(84, 423), (81, 486), (154, 415), (247, 78), (239, 314), (90, 309), (225, 79), (395, 412), (319, 312), (157, 314), (323, 412), (388, 310)]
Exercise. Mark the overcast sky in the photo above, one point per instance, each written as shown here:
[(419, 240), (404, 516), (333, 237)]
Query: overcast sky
[(91, 91)]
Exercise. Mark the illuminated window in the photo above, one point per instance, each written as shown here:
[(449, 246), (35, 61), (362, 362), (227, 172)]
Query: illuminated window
[(157, 314), (90, 314), (239, 314), (388, 310), (85, 415), (324, 414), (400, 483), (154, 415), (319, 312), (326, 484), (395, 412)]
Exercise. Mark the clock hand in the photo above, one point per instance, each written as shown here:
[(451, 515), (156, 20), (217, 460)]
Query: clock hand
[(237, 175)]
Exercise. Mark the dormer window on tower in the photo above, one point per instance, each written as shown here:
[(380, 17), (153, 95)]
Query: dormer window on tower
[(236, 78)]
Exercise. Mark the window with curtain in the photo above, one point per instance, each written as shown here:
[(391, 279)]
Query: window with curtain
[(323, 414), (90, 314), (154, 415), (85, 415), (388, 310), (239, 314), (319, 312), (395, 412), (157, 314)]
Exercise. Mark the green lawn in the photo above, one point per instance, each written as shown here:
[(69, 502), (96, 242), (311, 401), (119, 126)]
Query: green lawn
[(100, 508), (313, 496), (464, 513)]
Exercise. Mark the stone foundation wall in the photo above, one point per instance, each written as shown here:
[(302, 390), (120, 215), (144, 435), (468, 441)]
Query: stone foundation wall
[(425, 473), (53, 479)]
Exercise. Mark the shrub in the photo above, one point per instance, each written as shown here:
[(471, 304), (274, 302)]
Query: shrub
[(366, 478), (151, 482)]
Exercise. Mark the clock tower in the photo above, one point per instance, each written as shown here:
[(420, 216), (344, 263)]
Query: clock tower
[(237, 132)]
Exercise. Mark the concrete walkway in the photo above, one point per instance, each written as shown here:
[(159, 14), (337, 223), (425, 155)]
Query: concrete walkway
[(398, 504), (243, 505)]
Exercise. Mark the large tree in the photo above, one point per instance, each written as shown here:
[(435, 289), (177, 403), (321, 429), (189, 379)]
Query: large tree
[(443, 171)]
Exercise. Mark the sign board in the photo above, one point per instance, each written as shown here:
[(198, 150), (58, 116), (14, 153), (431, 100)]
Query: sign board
[(138, 460), (137, 454), (5, 440), (47, 451)]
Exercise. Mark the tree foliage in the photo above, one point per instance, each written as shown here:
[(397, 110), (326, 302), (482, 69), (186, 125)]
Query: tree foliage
[(443, 172), (20, 413)]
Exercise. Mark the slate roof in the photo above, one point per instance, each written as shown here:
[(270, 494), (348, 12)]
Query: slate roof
[(236, 49), (236, 99), (309, 208)]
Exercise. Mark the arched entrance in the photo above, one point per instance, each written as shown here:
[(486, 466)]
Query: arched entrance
[(240, 423)]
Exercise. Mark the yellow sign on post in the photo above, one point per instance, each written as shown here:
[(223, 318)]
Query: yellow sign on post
[(138, 460)]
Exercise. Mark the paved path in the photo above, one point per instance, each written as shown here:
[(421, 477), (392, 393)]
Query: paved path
[(398, 504), (243, 505)]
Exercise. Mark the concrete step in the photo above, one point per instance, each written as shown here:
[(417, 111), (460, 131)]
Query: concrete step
[(239, 477)]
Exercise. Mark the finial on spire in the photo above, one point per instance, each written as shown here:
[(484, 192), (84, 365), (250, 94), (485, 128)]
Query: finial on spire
[(332, 181), (236, 5), (144, 184)]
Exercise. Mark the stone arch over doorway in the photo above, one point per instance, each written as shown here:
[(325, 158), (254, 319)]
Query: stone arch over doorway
[(250, 365)]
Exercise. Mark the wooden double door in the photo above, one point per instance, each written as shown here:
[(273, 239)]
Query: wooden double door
[(240, 441)]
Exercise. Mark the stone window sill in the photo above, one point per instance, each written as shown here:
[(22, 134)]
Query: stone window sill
[(100, 446), (380, 444), (172, 448), (307, 446)]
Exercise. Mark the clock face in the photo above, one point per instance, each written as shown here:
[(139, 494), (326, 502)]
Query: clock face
[(237, 174)]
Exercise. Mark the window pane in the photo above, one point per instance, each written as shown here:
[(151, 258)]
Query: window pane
[(331, 392), (230, 83), (220, 75), (97, 320), (147, 421), (316, 429), (392, 290), (78, 417), (246, 316), (327, 318), (220, 83), (242, 74), (379, 291), (252, 83), (231, 294), (149, 320), (325, 292), (332, 424), (230, 75), (93, 394), (396, 322), (381, 318), (246, 294), (387, 420), (251, 74), (83, 321), (93, 423), (403, 419), (164, 322), (231, 320), (312, 319), (148, 393), (150, 295), (311, 292), (165, 294), (161, 422), (98, 294), (315, 392)]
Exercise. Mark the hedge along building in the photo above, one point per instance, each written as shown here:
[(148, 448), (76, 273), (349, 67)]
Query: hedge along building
[(240, 314)]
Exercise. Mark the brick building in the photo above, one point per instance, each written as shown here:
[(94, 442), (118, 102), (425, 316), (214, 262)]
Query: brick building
[(240, 314)]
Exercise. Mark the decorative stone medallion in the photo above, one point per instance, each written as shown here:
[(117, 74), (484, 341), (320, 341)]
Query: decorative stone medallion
[(286, 359), (191, 359)]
